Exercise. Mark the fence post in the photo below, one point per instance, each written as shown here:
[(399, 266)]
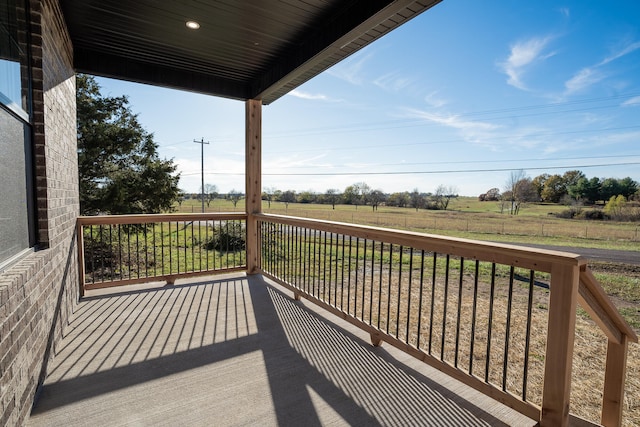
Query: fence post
[(560, 336)]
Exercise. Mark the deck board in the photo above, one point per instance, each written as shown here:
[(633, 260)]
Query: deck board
[(237, 350)]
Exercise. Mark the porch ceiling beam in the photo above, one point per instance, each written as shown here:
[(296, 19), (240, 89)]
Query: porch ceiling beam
[(113, 66)]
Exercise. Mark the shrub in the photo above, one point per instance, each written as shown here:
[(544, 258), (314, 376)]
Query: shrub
[(99, 255), (227, 237), (594, 214), (566, 214)]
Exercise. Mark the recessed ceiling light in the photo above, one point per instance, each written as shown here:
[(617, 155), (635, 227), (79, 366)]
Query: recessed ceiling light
[(192, 25)]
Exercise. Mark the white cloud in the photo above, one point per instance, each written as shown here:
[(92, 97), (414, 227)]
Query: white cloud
[(523, 54), (434, 100), (631, 102), (311, 96), (565, 12), (626, 49), (350, 70), (583, 79), (392, 82), (589, 76), (453, 121)]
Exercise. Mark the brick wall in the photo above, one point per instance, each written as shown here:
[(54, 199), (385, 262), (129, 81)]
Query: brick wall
[(37, 294)]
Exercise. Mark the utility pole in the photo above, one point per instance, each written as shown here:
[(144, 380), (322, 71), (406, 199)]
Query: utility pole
[(202, 143)]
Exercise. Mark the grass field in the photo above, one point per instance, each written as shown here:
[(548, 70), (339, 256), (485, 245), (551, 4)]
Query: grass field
[(469, 218), (466, 217), (472, 219)]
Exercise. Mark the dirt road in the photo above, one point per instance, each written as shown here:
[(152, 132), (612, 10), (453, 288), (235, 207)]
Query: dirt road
[(603, 255)]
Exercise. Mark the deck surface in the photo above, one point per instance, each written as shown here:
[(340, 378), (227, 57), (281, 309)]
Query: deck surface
[(235, 351)]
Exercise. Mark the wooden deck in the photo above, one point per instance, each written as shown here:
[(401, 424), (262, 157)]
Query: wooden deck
[(238, 350)]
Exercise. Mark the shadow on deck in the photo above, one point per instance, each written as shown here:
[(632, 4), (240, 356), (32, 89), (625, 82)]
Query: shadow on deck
[(237, 350)]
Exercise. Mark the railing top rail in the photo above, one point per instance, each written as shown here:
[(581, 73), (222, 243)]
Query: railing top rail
[(520, 256), (599, 306), (149, 218)]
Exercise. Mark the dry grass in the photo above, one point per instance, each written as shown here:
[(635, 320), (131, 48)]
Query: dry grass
[(395, 301), (588, 375), (589, 353)]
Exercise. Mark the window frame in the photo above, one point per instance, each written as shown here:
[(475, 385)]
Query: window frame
[(23, 114)]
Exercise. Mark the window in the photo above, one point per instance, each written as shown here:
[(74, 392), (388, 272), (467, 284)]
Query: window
[(17, 218)]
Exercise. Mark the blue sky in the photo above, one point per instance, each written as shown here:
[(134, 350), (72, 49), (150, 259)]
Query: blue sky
[(459, 96)]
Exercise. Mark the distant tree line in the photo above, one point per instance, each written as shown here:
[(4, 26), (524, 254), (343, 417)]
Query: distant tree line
[(361, 194), (573, 185), (573, 188), (210, 194)]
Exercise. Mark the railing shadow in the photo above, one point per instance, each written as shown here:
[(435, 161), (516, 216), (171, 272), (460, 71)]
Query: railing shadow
[(137, 350)]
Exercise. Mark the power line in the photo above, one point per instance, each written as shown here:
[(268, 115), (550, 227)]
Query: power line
[(416, 121), (461, 162), (451, 171), (455, 141), (429, 172)]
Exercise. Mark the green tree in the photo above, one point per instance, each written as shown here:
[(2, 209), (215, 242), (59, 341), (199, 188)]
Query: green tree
[(571, 178), (287, 197), (119, 168), (443, 196), (306, 197), (553, 189), (587, 189), (417, 199), (234, 196), (268, 195), (399, 199), (210, 193), (332, 196), (375, 198), (609, 188), (615, 206), (539, 182), (356, 194), (628, 187), (519, 190)]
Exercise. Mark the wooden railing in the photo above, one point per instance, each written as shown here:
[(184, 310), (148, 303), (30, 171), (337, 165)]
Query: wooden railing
[(126, 249), (499, 318)]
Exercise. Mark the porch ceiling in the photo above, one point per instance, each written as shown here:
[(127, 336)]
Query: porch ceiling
[(258, 49)]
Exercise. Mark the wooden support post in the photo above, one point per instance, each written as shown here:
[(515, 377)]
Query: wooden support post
[(253, 180), (561, 332), (614, 376), (80, 248)]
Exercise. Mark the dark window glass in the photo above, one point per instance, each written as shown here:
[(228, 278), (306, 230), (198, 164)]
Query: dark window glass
[(17, 216), (13, 56), (15, 175)]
